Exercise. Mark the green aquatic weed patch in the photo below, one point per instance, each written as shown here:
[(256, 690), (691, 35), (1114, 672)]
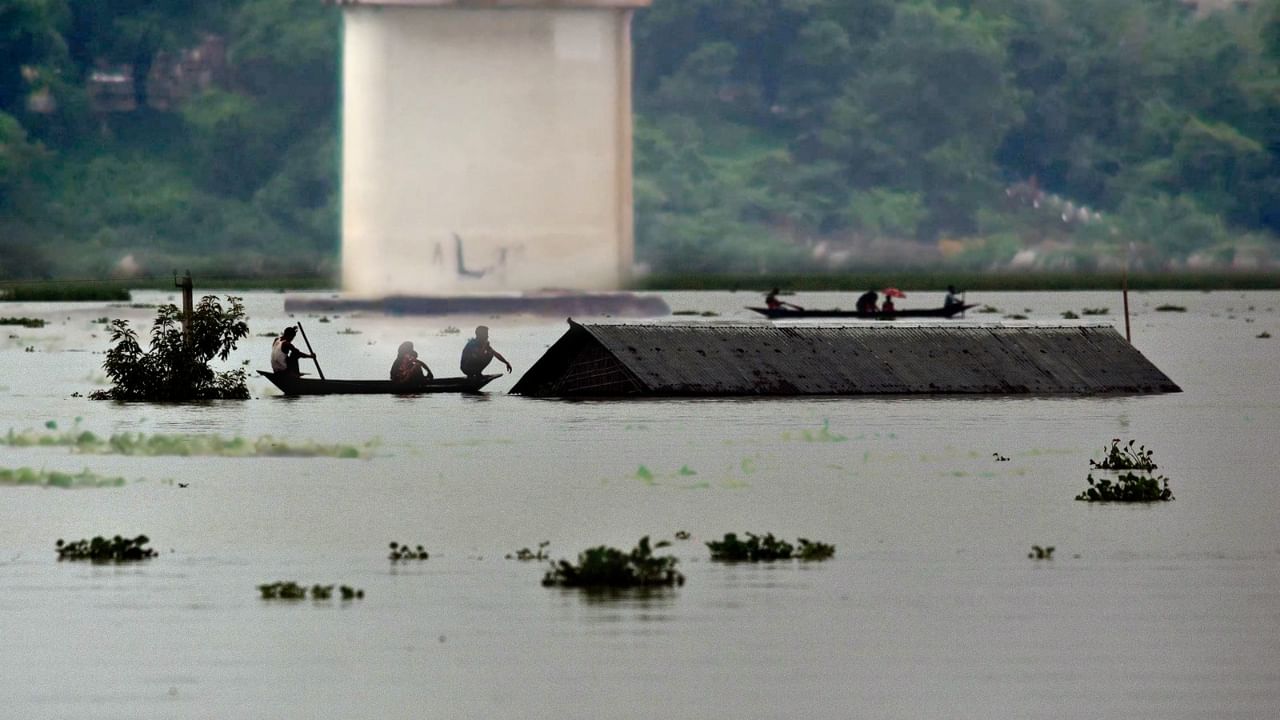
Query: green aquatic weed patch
[(1125, 457), (822, 434), (290, 590), (89, 443), (767, 548), (55, 478), (1128, 487), (605, 567), (1170, 308), (26, 322), (1095, 311), (101, 550)]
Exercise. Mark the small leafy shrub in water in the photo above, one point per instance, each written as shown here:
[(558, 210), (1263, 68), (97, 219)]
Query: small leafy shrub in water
[(1124, 457), (101, 550), (604, 567), (1128, 487), (527, 554), (174, 369), (767, 548), (289, 590), (403, 553)]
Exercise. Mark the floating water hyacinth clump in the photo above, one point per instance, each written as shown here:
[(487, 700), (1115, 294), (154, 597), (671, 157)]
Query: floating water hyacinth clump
[(1095, 311), (1069, 315), (605, 567), (101, 550), (404, 553), (1170, 308), (26, 322), (290, 590), (767, 548), (1125, 457), (1039, 552), (84, 441), (1128, 487), (527, 554), (54, 478)]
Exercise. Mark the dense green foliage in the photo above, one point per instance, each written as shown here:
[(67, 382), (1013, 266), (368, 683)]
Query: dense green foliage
[(771, 135), (604, 567), (101, 550), (176, 367)]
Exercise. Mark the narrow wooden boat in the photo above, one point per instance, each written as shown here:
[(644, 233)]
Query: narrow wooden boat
[(793, 314), (290, 385)]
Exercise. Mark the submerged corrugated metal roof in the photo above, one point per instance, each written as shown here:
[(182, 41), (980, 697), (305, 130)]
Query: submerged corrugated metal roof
[(711, 359)]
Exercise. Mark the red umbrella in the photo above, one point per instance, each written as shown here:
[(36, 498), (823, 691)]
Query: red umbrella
[(893, 292)]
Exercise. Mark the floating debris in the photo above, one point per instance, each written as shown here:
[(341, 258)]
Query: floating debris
[(527, 554), (1095, 311), (682, 535), (1263, 335), (999, 457), (349, 331), (989, 309), (1069, 315), (1015, 316), (101, 550), (403, 553), (605, 567), (1170, 308)]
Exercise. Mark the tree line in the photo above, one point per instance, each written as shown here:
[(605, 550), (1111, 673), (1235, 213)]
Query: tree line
[(769, 135)]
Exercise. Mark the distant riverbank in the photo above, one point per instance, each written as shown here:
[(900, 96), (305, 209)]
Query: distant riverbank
[(939, 280)]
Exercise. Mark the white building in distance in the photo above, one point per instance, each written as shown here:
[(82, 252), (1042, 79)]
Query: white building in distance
[(486, 145)]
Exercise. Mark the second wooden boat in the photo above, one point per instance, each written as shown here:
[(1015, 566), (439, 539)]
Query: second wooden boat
[(793, 314), (291, 385)]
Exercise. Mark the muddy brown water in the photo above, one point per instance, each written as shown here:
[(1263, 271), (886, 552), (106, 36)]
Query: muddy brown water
[(930, 608)]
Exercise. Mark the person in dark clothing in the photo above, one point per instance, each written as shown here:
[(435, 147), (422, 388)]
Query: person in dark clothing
[(867, 302), (478, 353), (284, 355), (772, 302), (953, 297), (408, 369)]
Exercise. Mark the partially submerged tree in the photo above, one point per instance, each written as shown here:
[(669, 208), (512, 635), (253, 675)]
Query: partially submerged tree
[(176, 367)]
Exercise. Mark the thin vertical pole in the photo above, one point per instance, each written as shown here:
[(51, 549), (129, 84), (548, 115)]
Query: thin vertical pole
[(1124, 284), (314, 359), (187, 290)]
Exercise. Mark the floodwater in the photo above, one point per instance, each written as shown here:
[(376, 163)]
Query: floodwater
[(930, 608)]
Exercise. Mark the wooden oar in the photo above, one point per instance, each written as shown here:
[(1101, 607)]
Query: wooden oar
[(313, 352)]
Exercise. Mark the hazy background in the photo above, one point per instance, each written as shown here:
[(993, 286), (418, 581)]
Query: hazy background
[(771, 135)]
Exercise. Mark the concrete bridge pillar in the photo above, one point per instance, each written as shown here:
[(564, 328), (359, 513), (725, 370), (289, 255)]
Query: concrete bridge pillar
[(486, 145)]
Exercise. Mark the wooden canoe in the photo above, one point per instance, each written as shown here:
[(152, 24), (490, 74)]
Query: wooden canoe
[(315, 386), (793, 314)]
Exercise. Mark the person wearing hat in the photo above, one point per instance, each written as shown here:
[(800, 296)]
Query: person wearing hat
[(478, 353), (285, 355)]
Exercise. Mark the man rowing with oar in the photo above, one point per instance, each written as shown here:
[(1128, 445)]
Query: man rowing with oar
[(285, 355)]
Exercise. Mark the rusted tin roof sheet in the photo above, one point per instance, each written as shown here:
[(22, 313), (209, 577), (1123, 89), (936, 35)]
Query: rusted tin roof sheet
[(711, 360)]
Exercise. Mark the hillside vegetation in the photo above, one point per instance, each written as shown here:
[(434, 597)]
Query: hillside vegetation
[(771, 136)]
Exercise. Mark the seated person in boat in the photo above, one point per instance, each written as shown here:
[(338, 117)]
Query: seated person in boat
[(478, 353), (408, 369), (772, 302), (867, 302), (284, 355), (888, 305), (953, 297)]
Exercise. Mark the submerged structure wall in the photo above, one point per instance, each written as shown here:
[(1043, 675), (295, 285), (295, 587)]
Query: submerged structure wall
[(620, 360), (486, 145)]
